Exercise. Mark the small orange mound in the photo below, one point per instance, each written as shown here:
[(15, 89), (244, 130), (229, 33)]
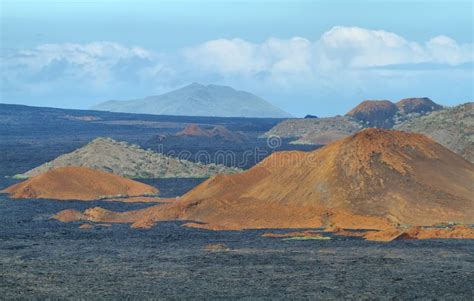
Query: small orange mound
[(69, 215), (219, 132), (86, 226), (77, 183), (193, 130), (140, 199), (307, 233)]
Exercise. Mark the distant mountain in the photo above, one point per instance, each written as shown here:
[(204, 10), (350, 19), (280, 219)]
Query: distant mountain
[(130, 161), (451, 127), (198, 100)]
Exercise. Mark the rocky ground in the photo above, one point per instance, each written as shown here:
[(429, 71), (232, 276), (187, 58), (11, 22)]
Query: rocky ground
[(308, 127), (46, 259), (131, 161), (41, 258)]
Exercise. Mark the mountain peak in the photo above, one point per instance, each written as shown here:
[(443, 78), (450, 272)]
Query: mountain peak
[(385, 146)]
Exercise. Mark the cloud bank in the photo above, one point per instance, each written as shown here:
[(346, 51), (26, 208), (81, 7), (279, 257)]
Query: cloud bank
[(352, 57)]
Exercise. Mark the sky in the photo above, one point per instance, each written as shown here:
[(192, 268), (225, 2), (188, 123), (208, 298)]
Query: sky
[(307, 57)]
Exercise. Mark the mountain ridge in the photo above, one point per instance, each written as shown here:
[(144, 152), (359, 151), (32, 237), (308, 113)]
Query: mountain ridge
[(198, 100)]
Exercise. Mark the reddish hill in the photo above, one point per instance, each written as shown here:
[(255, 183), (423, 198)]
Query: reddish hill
[(193, 130), (375, 113), (223, 133), (77, 183), (417, 105), (374, 179), (218, 132)]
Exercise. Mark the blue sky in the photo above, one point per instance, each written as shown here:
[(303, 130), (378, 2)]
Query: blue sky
[(319, 57)]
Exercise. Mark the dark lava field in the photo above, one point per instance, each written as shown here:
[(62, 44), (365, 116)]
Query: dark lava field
[(42, 258), (46, 259)]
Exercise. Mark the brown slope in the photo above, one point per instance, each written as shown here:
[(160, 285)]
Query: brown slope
[(370, 180), (77, 183), (375, 113), (223, 133)]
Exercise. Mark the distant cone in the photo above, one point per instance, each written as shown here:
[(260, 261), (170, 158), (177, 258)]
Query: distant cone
[(193, 130), (375, 113)]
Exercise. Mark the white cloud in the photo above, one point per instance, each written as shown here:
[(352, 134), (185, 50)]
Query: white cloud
[(443, 49), (340, 47), (236, 56), (275, 59), (340, 61), (359, 47), (93, 62), (227, 56)]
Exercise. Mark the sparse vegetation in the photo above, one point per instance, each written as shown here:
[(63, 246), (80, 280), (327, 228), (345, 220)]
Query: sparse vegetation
[(130, 161)]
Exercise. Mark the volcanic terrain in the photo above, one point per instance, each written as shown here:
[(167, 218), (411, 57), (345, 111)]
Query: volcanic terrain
[(374, 179), (452, 127)]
